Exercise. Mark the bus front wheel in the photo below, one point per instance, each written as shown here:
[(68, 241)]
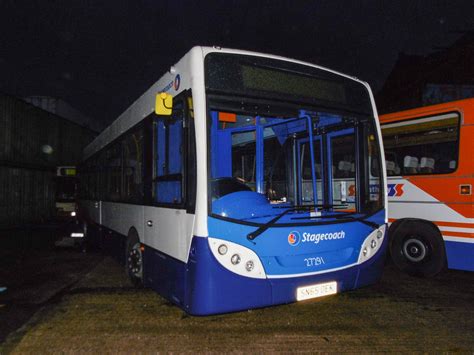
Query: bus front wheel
[(417, 248), (134, 261)]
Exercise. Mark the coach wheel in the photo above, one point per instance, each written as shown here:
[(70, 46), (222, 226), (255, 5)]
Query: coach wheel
[(418, 249), (134, 261)]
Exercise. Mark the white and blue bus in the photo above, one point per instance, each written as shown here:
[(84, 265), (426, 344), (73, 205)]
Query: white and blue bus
[(241, 180)]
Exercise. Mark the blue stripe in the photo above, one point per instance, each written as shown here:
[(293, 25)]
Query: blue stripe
[(460, 255)]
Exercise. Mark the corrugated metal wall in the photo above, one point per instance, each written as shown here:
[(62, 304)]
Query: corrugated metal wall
[(32, 143), (27, 196)]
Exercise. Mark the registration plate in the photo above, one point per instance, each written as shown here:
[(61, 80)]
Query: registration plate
[(314, 291)]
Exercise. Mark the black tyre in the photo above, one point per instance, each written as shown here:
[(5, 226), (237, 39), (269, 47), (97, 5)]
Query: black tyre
[(134, 260), (417, 248)]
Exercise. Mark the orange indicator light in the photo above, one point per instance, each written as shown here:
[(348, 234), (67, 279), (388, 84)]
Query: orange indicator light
[(465, 189)]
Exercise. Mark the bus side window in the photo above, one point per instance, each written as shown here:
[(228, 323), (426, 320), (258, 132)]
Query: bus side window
[(133, 167), (113, 172), (168, 182), (426, 145)]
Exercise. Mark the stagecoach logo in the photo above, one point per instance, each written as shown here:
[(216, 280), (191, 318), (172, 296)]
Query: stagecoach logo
[(177, 81), (173, 84), (294, 238)]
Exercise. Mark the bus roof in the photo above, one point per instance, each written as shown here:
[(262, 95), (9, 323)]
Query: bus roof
[(465, 106)]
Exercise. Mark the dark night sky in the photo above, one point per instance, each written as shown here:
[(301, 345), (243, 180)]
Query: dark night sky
[(101, 55)]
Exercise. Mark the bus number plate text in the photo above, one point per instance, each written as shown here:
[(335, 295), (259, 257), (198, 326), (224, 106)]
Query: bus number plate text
[(314, 291)]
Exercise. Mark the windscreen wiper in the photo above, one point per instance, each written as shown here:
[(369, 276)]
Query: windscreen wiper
[(263, 228)]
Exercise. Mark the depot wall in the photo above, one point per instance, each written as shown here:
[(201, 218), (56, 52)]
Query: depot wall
[(32, 143)]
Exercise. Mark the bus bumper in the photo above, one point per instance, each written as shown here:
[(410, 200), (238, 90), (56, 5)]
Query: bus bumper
[(211, 289)]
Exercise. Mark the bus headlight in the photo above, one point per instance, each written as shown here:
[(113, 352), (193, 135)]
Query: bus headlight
[(73, 214), (222, 249), (371, 244), (237, 258)]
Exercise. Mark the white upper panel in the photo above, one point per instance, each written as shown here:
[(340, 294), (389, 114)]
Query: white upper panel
[(177, 79)]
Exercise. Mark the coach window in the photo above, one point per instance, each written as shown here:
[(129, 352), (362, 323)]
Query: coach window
[(427, 145), (113, 172), (169, 150), (133, 167)]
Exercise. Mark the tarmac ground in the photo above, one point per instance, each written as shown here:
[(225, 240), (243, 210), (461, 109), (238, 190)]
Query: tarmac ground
[(59, 299)]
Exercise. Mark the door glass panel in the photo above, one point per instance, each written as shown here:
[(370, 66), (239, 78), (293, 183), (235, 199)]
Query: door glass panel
[(276, 173), (243, 157), (343, 169), (306, 174)]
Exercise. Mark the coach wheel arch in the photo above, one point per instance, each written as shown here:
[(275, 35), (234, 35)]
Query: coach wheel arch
[(134, 258), (417, 247)]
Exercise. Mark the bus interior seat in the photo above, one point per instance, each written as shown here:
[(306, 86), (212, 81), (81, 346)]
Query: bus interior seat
[(344, 168), (427, 165), (410, 165), (390, 167)]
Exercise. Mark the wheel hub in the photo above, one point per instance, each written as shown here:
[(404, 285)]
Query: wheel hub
[(414, 250), (135, 264)]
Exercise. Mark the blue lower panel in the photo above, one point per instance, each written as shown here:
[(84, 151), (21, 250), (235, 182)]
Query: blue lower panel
[(203, 286), (460, 255), (165, 275), (210, 288), (213, 289)]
